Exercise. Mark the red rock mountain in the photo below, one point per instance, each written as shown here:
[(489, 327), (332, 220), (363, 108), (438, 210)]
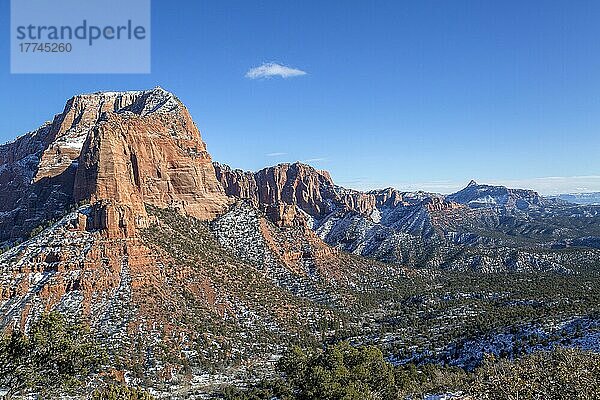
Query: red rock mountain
[(112, 149), (130, 186), (282, 188)]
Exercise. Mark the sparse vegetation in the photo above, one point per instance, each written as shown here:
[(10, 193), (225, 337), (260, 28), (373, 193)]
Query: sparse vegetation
[(119, 392), (57, 356), (559, 374), (342, 372), (424, 319)]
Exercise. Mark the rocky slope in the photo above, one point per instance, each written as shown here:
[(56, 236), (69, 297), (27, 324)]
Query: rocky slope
[(93, 171), (482, 227)]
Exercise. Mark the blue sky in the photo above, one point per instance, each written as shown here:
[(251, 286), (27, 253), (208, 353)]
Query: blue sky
[(415, 95)]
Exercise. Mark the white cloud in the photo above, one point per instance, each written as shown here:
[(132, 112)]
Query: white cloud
[(268, 70), (276, 154), (315, 159)]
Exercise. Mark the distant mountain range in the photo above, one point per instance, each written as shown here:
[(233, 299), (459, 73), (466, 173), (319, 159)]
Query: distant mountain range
[(581, 198)]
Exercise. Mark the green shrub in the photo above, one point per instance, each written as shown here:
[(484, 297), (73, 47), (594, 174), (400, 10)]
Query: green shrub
[(340, 372), (117, 392), (56, 357), (344, 372), (275, 389), (559, 374)]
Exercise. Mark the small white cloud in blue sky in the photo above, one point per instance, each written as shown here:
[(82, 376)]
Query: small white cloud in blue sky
[(315, 159), (268, 70), (276, 154)]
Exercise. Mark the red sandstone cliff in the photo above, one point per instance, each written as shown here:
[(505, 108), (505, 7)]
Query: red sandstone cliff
[(278, 188), (124, 148)]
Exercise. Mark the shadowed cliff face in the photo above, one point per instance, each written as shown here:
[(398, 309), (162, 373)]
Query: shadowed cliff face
[(125, 148), (25, 202)]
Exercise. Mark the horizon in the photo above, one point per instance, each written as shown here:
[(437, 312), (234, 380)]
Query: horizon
[(431, 96), (542, 185)]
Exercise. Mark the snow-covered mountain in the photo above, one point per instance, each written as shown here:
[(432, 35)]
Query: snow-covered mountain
[(476, 196), (113, 214)]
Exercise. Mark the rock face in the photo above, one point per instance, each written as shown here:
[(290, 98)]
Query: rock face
[(300, 186), (89, 177), (25, 199), (477, 196), (110, 171), (128, 148), (155, 157)]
